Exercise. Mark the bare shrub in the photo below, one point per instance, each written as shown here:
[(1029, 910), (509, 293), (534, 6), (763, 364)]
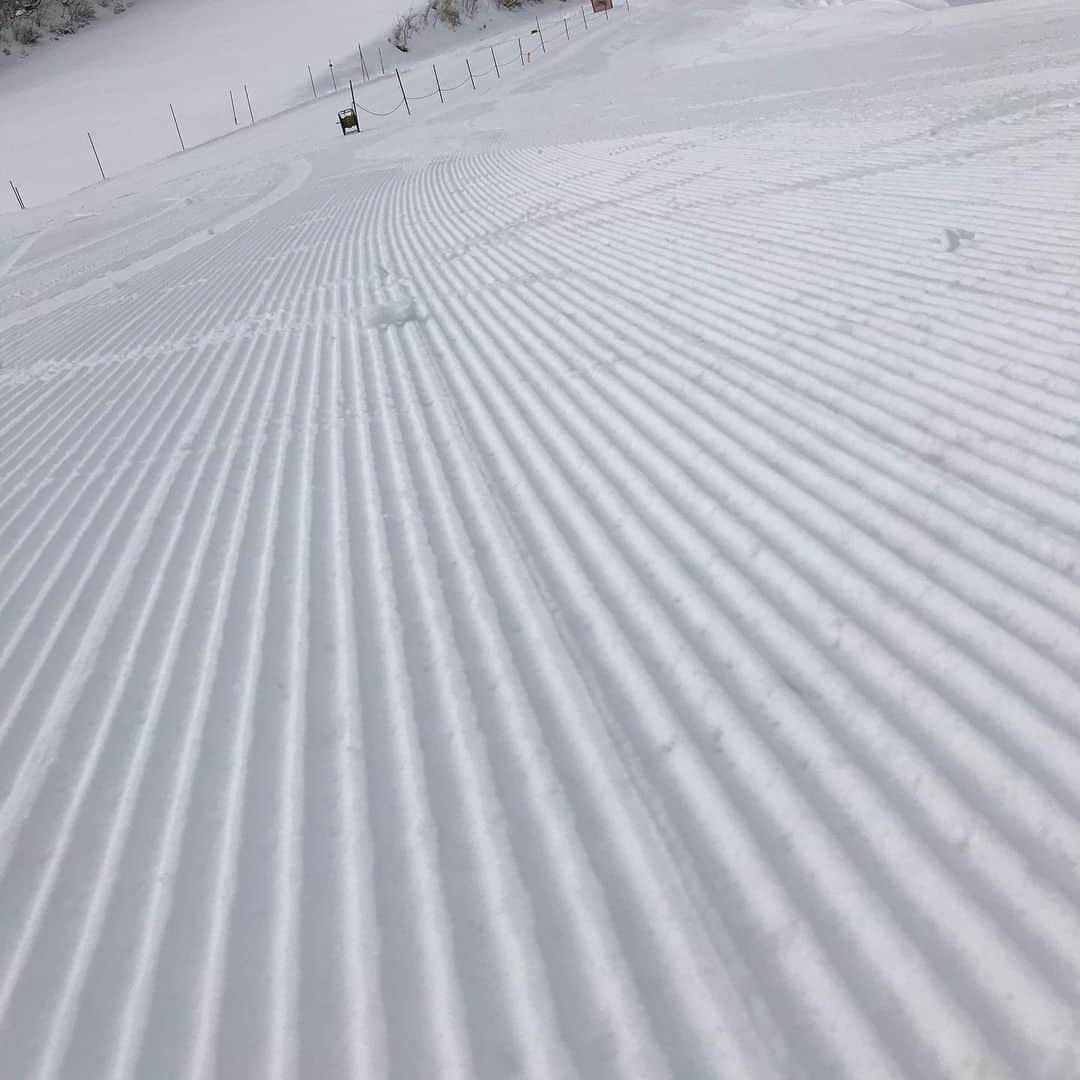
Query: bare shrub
[(78, 12), (404, 28), (448, 12), (26, 32)]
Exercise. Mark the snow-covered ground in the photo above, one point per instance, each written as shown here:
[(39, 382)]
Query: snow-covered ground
[(118, 79), (584, 580)]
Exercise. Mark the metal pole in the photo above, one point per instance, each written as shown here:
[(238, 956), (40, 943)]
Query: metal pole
[(541, 33), (96, 158), (332, 78), (402, 86), (312, 78), (521, 52), (232, 102), (605, 14), (18, 197), (437, 86), (251, 112), (352, 94), (583, 19), (469, 66), (177, 123), (495, 61), (363, 65), (381, 64), (567, 29)]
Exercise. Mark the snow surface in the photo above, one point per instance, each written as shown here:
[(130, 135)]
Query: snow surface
[(118, 80), (582, 581)]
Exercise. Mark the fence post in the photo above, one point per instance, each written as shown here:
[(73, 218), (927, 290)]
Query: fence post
[(177, 123), (495, 61), (251, 111), (232, 102), (381, 64), (312, 78), (333, 77), (401, 85), (96, 158), (521, 52), (363, 65), (469, 67), (541, 33), (437, 86), (18, 197)]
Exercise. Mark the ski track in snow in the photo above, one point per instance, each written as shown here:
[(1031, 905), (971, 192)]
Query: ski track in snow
[(610, 609)]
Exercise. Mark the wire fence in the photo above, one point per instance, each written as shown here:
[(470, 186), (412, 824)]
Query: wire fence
[(372, 112), (509, 54)]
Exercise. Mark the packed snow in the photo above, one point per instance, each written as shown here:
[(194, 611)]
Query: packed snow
[(581, 578)]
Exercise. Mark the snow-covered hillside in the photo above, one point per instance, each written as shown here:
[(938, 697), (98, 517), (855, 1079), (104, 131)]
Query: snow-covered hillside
[(117, 80), (583, 580)]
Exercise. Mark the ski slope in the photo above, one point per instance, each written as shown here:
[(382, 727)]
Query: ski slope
[(584, 581), (118, 77)]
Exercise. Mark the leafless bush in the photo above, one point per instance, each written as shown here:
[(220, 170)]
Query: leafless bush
[(447, 12), (36, 18), (77, 13), (404, 28), (26, 32), (450, 13)]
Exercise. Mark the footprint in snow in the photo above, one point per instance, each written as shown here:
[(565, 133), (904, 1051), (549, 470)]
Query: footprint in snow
[(952, 238)]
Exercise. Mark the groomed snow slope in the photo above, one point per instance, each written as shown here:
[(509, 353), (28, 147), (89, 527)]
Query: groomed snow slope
[(584, 584)]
